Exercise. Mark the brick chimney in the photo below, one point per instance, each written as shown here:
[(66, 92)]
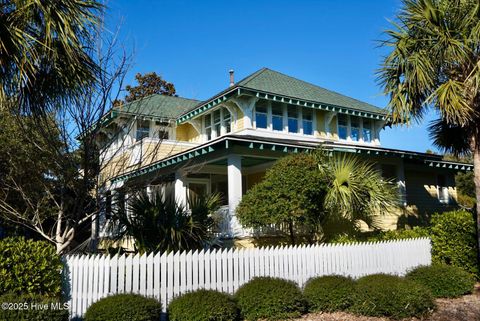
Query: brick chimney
[(232, 81)]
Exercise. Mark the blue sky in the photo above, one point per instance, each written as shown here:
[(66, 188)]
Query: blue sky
[(333, 44)]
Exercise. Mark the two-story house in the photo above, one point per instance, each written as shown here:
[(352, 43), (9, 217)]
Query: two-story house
[(226, 143)]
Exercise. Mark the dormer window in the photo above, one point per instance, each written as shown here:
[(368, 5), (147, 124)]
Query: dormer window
[(208, 126), (143, 129)]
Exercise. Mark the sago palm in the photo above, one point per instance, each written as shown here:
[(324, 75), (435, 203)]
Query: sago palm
[(160, 224), (45, 51), (435, 63)]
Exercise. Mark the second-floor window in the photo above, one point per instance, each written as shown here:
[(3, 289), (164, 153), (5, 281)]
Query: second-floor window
[(261, 114), (277, 117), (217, 123), (367, 130), (342, 126), (292, 120), (355, 128), (307, 122), (143, 129)]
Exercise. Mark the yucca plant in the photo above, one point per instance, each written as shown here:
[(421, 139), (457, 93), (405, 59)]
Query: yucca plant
[(157, 223)]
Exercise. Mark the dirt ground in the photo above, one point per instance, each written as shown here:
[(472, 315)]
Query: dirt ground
[(466, 308)]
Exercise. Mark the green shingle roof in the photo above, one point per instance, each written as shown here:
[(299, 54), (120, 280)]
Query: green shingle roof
[(271, 81), (160, 106)]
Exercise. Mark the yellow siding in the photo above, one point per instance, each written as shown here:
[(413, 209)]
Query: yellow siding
[(153, 152), (240, 122), (115, 166), (333, 128), (320, 124), (188, 133)]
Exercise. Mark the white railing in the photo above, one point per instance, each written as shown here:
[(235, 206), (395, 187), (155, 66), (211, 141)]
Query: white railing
[(164, 276)]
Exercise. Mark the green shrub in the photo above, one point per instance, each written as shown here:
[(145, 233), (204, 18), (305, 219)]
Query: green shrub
[(132, 307), (391, 296), (270, 299), (329, 293), (28, 266), (32, 308), (203, 305), (454, 240), (444, 281)]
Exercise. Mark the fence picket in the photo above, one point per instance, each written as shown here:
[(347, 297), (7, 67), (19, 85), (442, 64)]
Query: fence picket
[(165, 276)]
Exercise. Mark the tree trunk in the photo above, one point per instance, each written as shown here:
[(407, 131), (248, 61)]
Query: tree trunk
[(292, 233), (476, 172)]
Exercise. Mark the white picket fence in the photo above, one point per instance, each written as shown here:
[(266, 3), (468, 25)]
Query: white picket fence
[(164, 276)]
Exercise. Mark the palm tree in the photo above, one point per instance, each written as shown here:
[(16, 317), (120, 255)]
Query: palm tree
[(435, 63), (355, 191), (160, 224), (45, 57)]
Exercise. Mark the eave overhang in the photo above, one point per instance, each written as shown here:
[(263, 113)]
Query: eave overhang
[(238, 91), (228, 141)]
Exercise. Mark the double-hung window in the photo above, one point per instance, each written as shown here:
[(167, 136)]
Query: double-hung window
[(342, 126), (227, 119), (217, 122), (261, 114), (307, 121), (354, 128), (143, 129), (277, 116), (367, 130), (292, 119), (208, 126)]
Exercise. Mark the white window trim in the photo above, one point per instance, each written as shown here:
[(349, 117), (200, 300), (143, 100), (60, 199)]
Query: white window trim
[(374, 139)]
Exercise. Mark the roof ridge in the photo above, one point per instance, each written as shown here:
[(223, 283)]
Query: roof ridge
[(252, 76)]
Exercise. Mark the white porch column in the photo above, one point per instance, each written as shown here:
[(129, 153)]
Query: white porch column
[(234, 181), (180, 188), (234, 194)]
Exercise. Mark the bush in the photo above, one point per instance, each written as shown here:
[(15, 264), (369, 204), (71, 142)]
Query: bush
[(391, 296), (329, 293), (32, 308), (203, 305), (454, 240), (444, 281), (270, 299), (131, 307), (30, 267)]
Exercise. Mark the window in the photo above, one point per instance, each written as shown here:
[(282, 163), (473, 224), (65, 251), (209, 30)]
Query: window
[(227, 118), (261, 114), (342, 126), (307, 122), (355, 128), (217, 122), (442, 189), (367, 130), (208, 126), (163, 129), (277, 117), (292, 119), (143, 129)]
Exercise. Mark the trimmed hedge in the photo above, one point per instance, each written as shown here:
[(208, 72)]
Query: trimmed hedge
[(381, 295), (29, 267), (329, 293), (203, 305), (131, 307), (270, 299), (32, 308), (444, 281)]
